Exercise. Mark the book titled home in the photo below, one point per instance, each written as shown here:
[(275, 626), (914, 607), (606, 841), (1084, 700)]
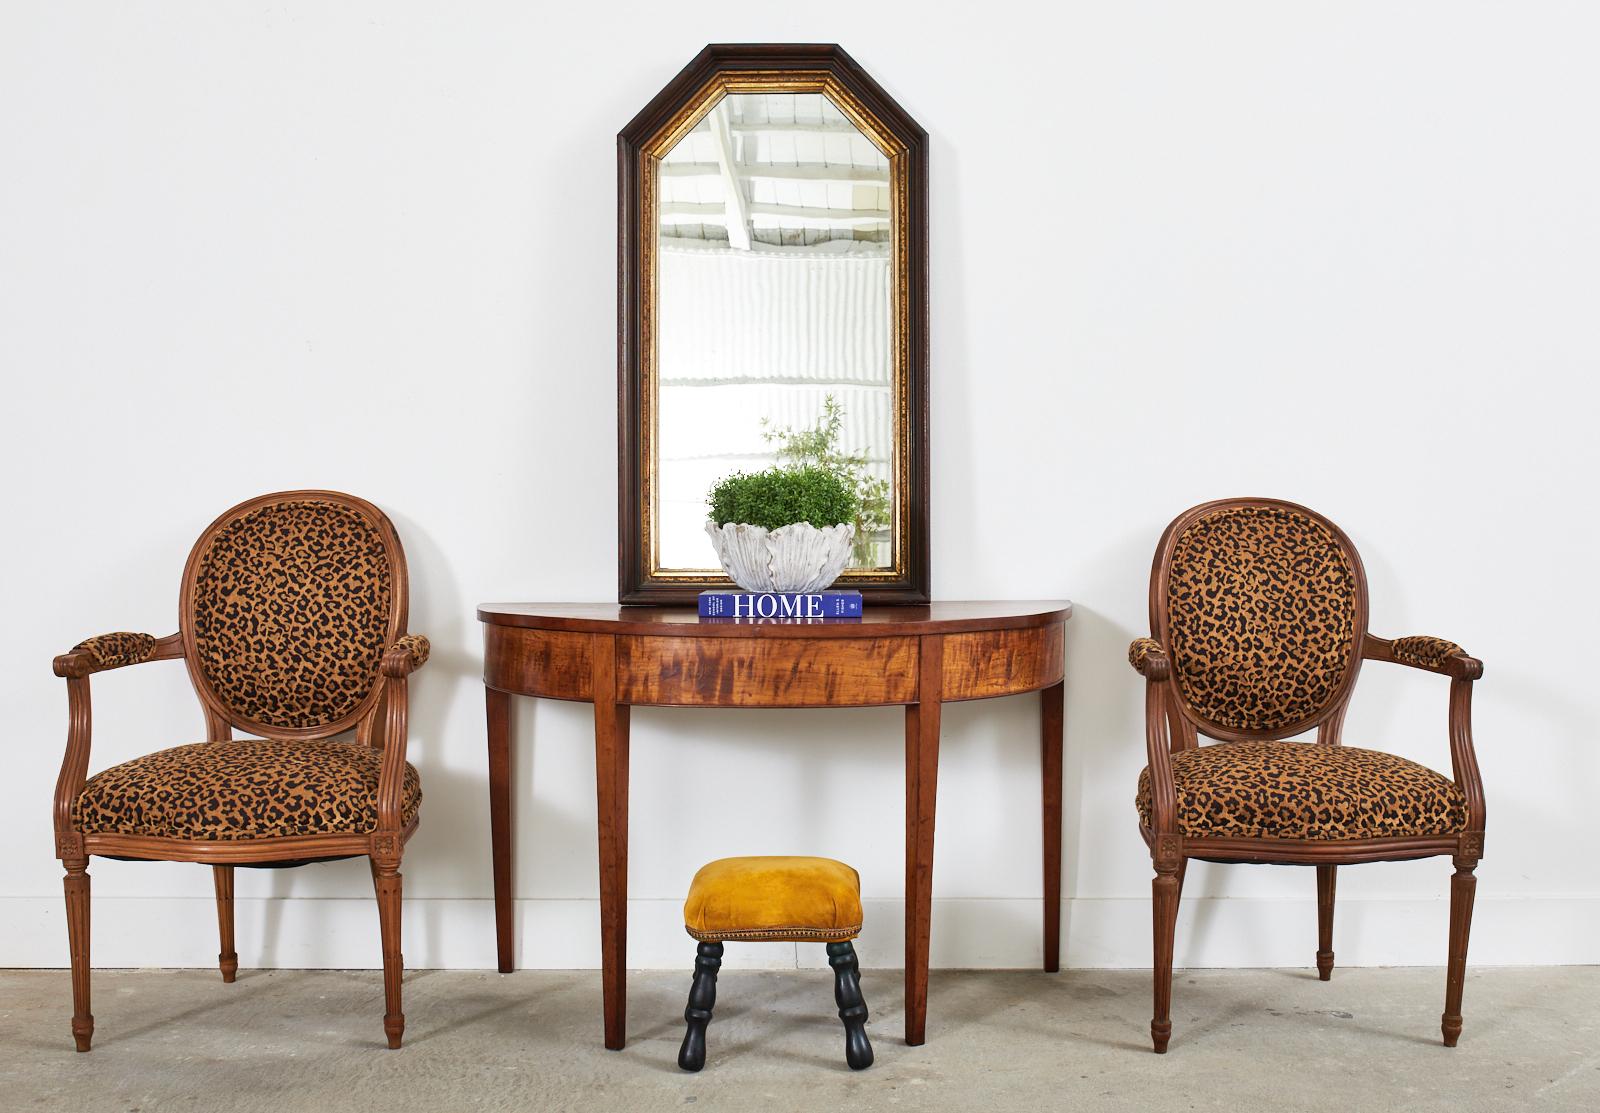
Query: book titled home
[(780, 604)]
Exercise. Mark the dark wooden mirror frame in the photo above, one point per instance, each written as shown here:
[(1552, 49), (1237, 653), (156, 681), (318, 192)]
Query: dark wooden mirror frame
[(716, 71)]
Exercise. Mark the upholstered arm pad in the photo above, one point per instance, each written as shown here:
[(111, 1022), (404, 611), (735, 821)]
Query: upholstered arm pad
[(1423, 651), (106, 651), (408, 654), (1429, 654), (1148, 658)]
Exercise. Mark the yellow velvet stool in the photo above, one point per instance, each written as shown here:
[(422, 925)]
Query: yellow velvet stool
[(778, 900)]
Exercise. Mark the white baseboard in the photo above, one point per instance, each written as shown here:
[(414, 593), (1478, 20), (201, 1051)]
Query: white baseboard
[(301, 933)]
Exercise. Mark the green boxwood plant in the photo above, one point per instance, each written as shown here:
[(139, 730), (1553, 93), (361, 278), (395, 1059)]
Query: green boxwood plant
[(819, 445), (782, 496)]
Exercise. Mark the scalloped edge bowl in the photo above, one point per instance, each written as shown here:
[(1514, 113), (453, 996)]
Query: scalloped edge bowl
[(796, 557)]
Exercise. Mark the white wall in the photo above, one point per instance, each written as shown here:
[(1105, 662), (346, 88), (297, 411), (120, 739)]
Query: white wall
[(1341, 253)]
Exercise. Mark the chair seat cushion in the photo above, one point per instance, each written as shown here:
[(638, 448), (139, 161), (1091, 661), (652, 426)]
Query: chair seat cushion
[(252, 788), (1299, 790), (774, 898)]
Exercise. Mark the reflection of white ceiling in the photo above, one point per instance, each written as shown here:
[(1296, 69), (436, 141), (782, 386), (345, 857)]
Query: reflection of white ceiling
[(775, 169), (814, 317)]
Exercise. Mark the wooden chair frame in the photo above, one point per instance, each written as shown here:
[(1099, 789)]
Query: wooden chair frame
[(379, 720), (1172, 726)]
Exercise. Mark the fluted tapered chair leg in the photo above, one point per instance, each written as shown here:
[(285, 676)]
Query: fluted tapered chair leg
[(702, 999), (227, 957), (1164, 900), (1326, 877), (76, 884), (1463, 886), (386, 880)]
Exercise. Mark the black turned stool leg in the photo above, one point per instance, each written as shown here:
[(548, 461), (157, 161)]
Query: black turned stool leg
[(852, 1009), (702, 998)]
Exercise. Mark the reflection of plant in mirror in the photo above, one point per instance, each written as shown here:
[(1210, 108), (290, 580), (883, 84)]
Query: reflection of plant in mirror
[(779, 497), (819, 447)]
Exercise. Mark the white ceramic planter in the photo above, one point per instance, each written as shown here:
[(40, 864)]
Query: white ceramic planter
[(798, 557)]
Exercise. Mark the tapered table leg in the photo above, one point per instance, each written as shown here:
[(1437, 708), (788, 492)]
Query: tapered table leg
[(611, 781), (922, 781), (1050, 743), (499, 710)]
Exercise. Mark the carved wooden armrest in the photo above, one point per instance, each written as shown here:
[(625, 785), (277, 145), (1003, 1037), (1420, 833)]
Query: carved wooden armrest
[(1149, 659), (1426, 653), (1448, 659), (92, 655), (114, 651), (408, 654)]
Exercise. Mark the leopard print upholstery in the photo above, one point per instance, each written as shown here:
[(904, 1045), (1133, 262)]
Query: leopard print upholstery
[(292, 602), (1261, 616), (416, 645), (1430, 653), (1140, 651), (1299, 790), (250, 788), (113, 651)]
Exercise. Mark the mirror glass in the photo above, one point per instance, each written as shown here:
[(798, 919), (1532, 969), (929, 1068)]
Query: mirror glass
[(775, 318)]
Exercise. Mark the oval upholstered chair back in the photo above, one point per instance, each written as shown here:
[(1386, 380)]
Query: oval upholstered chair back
[(288, 603), (1262, 607)]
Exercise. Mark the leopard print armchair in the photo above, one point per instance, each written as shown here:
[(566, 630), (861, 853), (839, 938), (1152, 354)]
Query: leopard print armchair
[(1258, 628), (292, 624)]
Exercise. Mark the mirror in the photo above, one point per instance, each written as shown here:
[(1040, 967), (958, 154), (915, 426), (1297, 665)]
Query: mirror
[(773, 293), (774, 319)]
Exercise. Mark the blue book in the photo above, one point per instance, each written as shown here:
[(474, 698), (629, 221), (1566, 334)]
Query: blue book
[(780, 604)]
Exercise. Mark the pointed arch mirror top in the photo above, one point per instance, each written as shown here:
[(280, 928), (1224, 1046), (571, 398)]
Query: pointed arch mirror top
[(772, 298)]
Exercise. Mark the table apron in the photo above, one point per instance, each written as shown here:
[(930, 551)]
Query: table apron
[(772, 671)]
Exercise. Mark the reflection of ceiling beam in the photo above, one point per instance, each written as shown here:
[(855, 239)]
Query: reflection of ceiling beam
[(736, 204), (691, 208), (785, 128), (812, 213), (802, 172), (790, 129), (695, 212)]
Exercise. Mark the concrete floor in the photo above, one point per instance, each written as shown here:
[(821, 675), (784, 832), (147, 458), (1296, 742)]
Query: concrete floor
[(284, 1041)]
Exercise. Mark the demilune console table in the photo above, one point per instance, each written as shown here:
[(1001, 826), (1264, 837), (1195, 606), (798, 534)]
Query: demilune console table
[(618, 657)]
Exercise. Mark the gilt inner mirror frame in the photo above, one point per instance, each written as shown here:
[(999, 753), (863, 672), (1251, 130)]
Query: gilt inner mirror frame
[(773, 309)]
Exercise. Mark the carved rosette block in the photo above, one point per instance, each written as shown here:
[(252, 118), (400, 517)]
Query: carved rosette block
[(1167, 852), (69, 844), (386, 846)]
